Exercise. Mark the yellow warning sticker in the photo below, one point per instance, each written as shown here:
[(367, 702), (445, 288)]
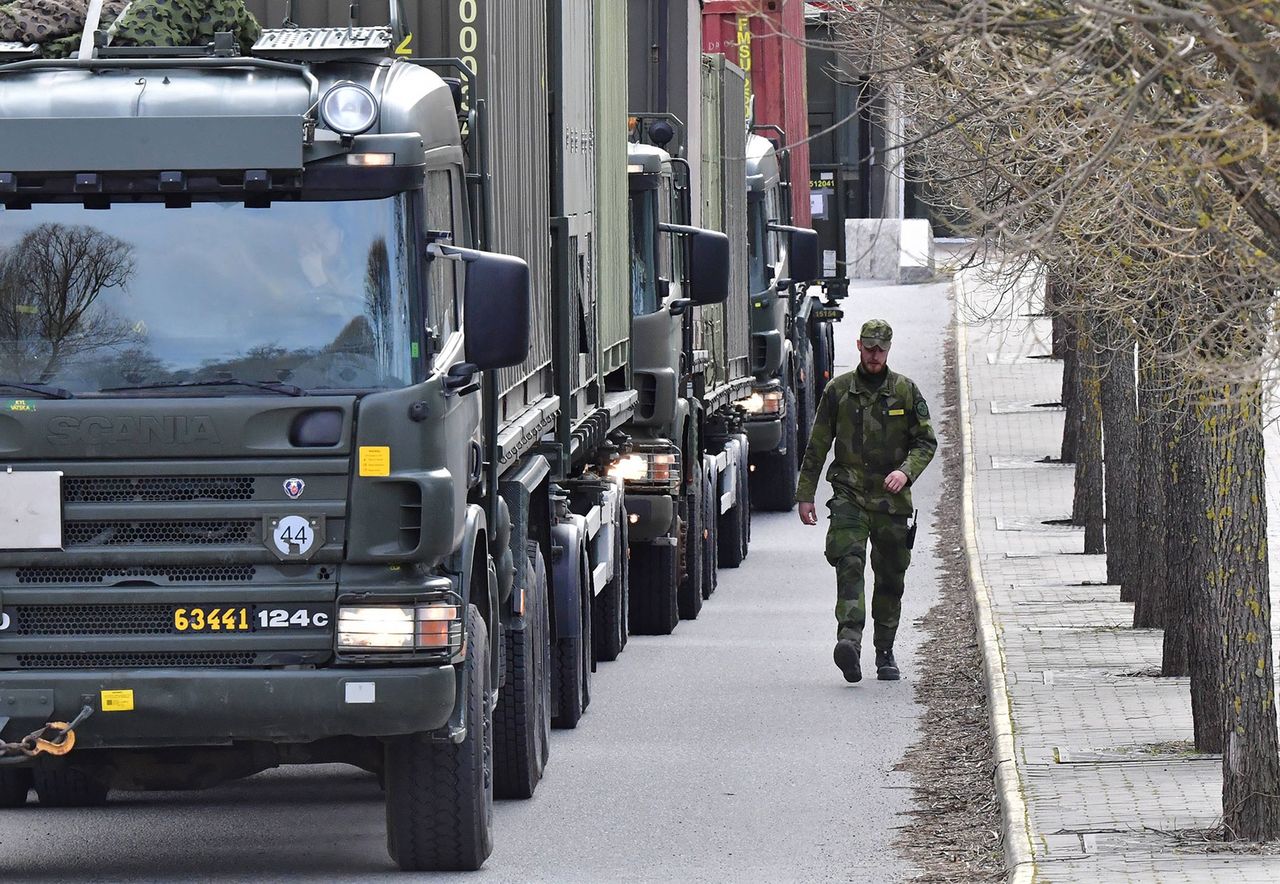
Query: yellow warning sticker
[(897, 412), (117, 701), (375, 460)]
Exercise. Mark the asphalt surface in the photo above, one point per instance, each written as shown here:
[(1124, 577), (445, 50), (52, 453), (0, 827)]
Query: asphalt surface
[(732, 750)]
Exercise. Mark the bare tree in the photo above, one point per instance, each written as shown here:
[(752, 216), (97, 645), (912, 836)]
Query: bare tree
[(50, 283), (1128, 145)]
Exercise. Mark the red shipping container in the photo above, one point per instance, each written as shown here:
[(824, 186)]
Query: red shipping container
[(766, 39)]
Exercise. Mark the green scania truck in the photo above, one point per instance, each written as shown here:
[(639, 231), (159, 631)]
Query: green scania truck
[(318, 375)]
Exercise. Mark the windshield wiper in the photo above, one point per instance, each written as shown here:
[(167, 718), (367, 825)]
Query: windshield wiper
[(40, 389), (269, 386)]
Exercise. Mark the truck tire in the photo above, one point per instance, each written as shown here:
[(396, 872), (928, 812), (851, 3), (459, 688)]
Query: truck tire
[(806, 403), (730, 539), (744, 502), (690, 597), (824, 367), (440, 794), (710, 543), (654, 576), (522, 720), (15, 783), (571, 662), (776, 472), (59, 785), (610, 628)]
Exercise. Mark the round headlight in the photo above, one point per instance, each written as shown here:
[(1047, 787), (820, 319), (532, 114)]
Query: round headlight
[(349, 109)]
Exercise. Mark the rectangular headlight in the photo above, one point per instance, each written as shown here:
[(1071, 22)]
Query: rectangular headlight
[(654, 467), (425, 626), (770, 401)]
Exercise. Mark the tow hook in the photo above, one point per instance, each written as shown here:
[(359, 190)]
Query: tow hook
[(55, 738)]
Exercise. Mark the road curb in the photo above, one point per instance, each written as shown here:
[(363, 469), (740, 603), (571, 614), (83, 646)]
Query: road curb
[(1015, 822)]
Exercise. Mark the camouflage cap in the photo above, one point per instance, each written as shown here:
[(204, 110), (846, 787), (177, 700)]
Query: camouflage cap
[(876, 333)]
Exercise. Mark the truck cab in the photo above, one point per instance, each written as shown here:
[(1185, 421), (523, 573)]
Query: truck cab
[(677, 475)]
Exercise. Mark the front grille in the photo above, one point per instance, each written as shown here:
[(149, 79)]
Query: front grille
[(144, 619), (134, 660), (127, 489), (175, 574), (196, 532)]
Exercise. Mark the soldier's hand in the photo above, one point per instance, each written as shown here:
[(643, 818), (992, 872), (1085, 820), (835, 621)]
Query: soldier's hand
[(895, 481), (808, 514)]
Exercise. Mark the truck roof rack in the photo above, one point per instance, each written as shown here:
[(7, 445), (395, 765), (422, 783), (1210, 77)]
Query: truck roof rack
[(13, 51), (323, 44)]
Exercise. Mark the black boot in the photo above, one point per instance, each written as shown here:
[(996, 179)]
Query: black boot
[(886, 666), (847, 657)]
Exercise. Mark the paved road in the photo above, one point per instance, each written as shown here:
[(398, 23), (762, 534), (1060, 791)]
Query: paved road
[(732, 750)]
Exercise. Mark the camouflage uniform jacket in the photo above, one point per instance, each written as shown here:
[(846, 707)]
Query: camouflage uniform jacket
[(876, 430)]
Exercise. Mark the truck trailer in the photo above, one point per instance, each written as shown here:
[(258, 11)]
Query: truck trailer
[(320, 370)]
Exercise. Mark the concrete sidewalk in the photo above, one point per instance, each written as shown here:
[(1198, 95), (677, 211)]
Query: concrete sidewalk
[(1099, 772)]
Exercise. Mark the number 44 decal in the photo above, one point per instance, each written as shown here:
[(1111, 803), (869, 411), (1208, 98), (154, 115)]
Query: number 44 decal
[(294, 537)]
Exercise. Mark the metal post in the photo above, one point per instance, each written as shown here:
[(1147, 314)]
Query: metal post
[(91, 21)]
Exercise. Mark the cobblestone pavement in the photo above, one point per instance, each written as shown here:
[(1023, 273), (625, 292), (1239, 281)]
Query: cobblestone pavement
[(1102, 746)]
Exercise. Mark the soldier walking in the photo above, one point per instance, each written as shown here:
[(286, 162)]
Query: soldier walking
[(879, 422)]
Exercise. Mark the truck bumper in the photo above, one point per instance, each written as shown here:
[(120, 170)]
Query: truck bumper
[(184, 707), (650, 516), (764, 435)]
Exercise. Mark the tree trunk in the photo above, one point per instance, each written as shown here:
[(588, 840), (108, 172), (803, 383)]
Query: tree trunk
[(1238, 524), (1120, 455), (1087, 507), (1054, 298), (1182, 519), (1197, 459), (1071, 397), (1150, 571)]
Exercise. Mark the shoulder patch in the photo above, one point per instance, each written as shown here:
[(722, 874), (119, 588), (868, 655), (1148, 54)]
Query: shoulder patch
[(922, 409)]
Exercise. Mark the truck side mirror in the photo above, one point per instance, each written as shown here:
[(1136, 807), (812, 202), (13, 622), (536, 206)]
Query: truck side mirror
[(496, 310), (708, 267), (802, 252), (495, 305)]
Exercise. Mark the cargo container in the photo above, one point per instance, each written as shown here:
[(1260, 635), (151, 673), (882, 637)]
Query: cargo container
[(342, 478)]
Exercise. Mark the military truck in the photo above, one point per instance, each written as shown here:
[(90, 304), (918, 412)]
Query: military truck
[(300, 467), (793, 352), (691, 362)]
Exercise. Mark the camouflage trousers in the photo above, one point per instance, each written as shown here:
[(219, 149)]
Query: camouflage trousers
[(850, 529)]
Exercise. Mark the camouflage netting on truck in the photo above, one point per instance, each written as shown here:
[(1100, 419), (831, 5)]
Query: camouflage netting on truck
[(56, 24)]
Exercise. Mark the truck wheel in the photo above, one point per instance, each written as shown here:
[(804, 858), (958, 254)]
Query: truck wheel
[(522, 721), (710, 541), (744, 502), (654, 575), (690, 597), (611, 624), (730, 535), (571, 664), (806, 405), (776, 472), (58, 785), (440, 794), (15, 783), (824, 349)]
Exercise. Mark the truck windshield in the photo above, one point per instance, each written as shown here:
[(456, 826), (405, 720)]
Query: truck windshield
[(644, 254), (757, 234), (315, 294)]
